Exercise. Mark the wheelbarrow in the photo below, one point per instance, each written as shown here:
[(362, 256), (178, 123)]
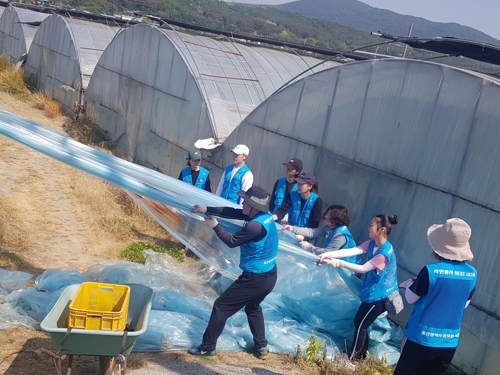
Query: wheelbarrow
[(112, 347)]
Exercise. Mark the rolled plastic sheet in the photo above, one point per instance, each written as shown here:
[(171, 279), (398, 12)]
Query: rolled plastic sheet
[(306, 297)]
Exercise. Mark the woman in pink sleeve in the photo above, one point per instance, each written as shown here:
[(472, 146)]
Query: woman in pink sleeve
[(380, 278)]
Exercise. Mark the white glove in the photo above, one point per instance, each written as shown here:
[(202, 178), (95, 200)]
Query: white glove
[(305, 245), (336, 263), (211, 222), (299, 237), (287, 227), (199, 208), (406, 284)]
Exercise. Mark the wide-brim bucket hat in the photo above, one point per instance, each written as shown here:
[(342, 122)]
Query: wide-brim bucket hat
[(451, 240), (256, 197)]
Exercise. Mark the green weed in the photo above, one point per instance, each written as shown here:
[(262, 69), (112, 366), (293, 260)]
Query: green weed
[(133, 253)]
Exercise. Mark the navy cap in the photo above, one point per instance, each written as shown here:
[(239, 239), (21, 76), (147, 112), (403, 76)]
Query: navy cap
[(306, 178), (294, 164)]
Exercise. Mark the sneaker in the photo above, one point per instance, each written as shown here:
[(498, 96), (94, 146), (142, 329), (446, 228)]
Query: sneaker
[(261, 353), (199, 352)]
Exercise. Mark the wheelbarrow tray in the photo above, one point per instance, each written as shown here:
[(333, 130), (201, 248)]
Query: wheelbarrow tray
[(95, 342)]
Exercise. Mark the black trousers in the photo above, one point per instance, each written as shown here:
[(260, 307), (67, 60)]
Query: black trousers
[(417, 359), (248, 290), (366, 315)]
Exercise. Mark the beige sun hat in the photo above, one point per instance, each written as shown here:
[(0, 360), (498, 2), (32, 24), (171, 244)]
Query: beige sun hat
[(451, 239)]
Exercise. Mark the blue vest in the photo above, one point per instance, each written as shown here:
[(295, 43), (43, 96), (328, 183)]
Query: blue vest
[(231, 187), (202, 177), (280, 193), (349, 243), (377, 286), (436, 318), (295, 216), (260, 256)]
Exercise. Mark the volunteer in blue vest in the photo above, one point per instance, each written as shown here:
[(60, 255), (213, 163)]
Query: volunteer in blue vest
[(439, 295), (337, 235), (379, 282), (237, 177), (258, 242), (195, 174), (285, 185), (304, 207)]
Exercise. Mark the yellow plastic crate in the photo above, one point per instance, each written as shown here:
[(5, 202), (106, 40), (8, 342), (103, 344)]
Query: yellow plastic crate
[(99, 306)]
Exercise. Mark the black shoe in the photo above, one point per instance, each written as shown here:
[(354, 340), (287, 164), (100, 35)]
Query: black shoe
[(261, 353), (199, 352)]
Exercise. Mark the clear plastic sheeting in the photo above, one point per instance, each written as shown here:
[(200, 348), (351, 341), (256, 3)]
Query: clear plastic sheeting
[(306, 297), (189, 87), (10, 281), (53, 280), (27, 307), (403, 137), (16, 32), (63, 55), (11, 314)]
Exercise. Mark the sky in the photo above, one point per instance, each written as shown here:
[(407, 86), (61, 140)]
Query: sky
[(482, 15)]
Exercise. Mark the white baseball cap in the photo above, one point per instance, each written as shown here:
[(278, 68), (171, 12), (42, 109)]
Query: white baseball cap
[(241, 149)]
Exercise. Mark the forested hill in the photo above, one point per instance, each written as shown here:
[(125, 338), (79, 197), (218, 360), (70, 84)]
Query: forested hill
[(360, 16), (264, 21)]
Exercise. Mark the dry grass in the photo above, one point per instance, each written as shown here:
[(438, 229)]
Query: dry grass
[(4, 231), (13, 82), (12, 79), (112, 219), (85, 131), (43, 101)]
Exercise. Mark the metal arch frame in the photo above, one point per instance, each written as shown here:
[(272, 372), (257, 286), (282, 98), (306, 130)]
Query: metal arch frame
[(202, 87), (246, 63), (232, 92), (329, 59)]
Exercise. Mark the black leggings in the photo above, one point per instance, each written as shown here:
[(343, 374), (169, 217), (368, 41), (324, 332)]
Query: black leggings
[(417, 359), (366, 315)]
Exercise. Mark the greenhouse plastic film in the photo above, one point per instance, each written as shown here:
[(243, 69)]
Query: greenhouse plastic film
[(315, 298)]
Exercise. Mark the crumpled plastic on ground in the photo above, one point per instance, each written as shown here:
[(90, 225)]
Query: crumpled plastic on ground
[(27, 307), (10, 281), (53, 280), (184, 296), (11, 314)]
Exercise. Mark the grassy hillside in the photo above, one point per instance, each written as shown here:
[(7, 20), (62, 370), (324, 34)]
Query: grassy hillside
[(262, 21), (284, 25), (360, 16)]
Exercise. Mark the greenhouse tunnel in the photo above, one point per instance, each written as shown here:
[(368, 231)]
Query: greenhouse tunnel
[(17, 29), (157, 91), (403, 137), (63, 55)]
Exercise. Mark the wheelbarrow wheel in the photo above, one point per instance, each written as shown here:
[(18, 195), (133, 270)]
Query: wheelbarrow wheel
[(108, 366)]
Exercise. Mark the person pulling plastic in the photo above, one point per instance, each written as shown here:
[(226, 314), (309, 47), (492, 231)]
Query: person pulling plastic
[(337, 235), (439, 295), (258, 242), (194, 174), (379, 282)]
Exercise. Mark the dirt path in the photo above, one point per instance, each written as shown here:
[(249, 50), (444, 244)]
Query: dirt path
[(57, 217), (49, 235)]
